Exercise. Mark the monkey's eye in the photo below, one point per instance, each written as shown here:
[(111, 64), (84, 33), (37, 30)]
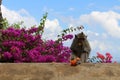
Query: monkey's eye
[(81, 39)]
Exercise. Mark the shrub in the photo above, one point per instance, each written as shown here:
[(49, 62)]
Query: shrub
[(20, 45)]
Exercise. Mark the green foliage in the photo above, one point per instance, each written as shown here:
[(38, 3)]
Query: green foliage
[(5, 23), (15, 25), (42, 24), (18, 24), (68, 30)]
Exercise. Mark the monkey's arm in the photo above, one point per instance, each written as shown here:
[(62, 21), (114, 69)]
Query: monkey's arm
[(86, 46)]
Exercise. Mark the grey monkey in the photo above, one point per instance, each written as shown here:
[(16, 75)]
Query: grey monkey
[(80, 47)]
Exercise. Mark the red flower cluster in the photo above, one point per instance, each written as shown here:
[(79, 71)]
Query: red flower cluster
[(105, 59)]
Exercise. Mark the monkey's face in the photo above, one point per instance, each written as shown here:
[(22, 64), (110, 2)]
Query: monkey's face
[(80, 37)]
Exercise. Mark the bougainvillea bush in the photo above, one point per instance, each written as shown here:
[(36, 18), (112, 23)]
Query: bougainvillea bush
[(26, 45), (20, 45)]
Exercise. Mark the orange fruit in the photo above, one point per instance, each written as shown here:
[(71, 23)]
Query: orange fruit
[(73, 62)]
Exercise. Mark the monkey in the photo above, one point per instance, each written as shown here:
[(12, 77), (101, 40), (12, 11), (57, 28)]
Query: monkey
[(80, 47)]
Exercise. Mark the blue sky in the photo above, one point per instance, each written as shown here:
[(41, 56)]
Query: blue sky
[(101, 19), (66, 8)]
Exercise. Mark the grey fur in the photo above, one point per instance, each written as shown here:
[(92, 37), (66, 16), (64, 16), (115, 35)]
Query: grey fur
[(80, 47)]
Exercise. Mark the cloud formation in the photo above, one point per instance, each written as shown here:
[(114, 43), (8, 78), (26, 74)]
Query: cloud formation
[(52, 29), (109, 21), (17, 16), (106, 21)]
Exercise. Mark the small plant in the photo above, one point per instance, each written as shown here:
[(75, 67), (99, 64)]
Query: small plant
[(65, 34), (42, 24), (100, 58)]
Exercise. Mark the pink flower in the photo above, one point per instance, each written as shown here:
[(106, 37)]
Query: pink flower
[(69, 36), (100, 56), (107, 54), (108, 57), (7, 55)]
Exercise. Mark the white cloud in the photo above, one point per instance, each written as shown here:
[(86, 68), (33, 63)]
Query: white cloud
[(100, 45), (95, 35), (116, 7), (23, 12), (52, 29), (70, 20), (16, 16), (109, 21), (71, 9), (96, 20), (98, 41)]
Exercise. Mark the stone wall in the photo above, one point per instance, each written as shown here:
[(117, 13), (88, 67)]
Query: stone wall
[(59, 71)]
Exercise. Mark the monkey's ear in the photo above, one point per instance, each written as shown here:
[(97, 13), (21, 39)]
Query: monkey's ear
[(75, 36), (82, 33)]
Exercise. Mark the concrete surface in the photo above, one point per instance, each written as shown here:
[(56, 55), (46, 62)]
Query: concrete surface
[(59, 71)]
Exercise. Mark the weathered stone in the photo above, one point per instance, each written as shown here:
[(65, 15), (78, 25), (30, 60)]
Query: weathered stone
[(59, 71)]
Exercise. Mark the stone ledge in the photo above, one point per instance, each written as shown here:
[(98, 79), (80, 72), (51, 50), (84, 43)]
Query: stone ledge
[(59, 71)]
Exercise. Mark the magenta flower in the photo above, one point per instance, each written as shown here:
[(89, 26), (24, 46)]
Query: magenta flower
[(15, 49), (108, 58), (69, 36), (17, 56), (7, 55), (21, 45), (50, 58), (0, 49), (32, 30)]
